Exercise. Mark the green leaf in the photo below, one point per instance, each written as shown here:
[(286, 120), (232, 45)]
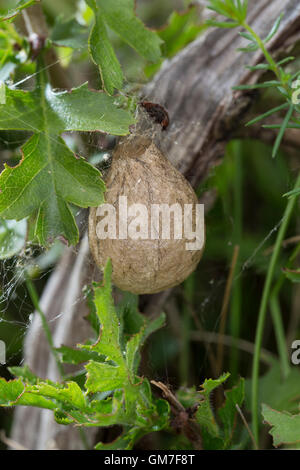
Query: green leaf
[(109, 338), (78, 356), (69, 34), (258, 67), (80, 109), (127, 310), (181, 28), (254, 86), (10, 391), (71, 394), (268, 113), (204, 414), (285, 60), (11, 13), (274, 28), (228, 411), (130, 403), (103, 53), (222, 24), (292, 274), (285, 427), (277, 392), (292, 193), (49, 178), (102, 377), (12, 237), (2, 93), (230, 9), (282, 131), (120, 443), (120, 16), (25, 374), (211, 384), (14, 393)]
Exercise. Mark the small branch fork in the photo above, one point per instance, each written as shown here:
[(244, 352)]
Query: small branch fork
[(183, 422)]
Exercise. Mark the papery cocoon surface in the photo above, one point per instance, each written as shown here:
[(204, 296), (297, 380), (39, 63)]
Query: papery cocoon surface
[(143, 227)]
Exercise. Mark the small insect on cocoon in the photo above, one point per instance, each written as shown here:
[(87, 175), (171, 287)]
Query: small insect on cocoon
[(151, 226)]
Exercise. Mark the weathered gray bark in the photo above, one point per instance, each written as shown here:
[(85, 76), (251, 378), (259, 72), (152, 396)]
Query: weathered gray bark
[(196, 88)]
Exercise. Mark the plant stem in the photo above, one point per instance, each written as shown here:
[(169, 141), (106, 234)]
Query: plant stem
[(35, 300), (280, 335), (236, 301), (263, 310), (277, 317), (269, 58), (184, 366), (224, 310)]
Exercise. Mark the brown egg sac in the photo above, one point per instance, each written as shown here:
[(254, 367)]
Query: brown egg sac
[(145, 258)]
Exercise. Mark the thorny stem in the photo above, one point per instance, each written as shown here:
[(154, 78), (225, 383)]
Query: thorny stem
[(263, 309)]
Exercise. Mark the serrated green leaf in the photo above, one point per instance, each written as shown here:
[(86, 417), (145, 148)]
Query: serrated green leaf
[(103, 377), (135, 343), (211, 384), (285, 427), (78, 356), (132, 349), (24, 373), (109, 338), (70, 394), (46, 181), (277, 392), (10, 391), (204, 414), (128, 311), (228, 411), (49, 177), (55, 112), (14, 392)]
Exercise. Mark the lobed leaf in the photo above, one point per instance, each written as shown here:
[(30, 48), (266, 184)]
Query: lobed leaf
[(285, 427)]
